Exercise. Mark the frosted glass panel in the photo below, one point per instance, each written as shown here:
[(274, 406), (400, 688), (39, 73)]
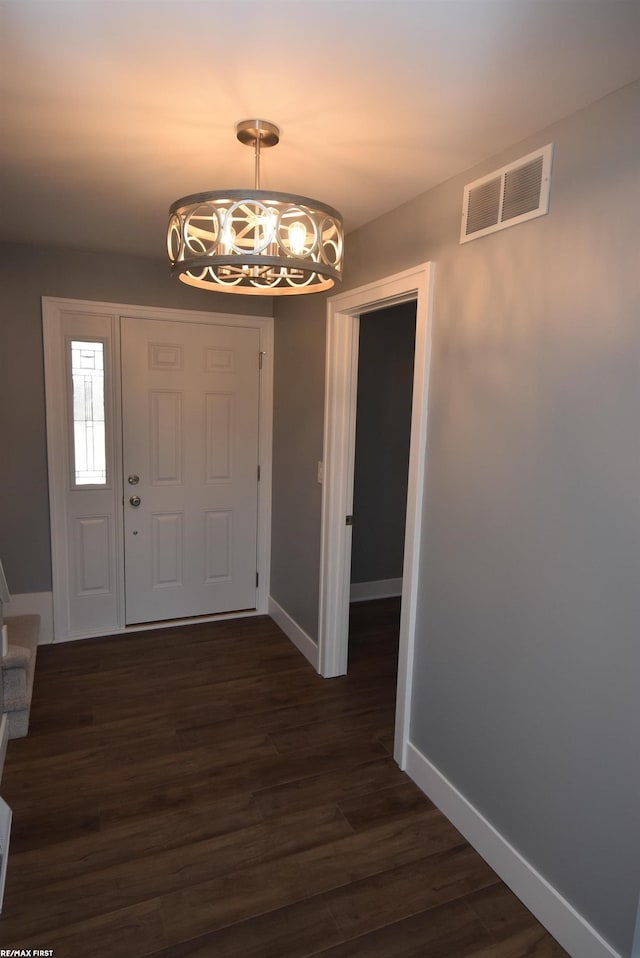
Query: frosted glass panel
[(89, 442)]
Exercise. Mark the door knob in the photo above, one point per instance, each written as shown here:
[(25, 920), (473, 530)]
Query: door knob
[(133, 480), (135, 500)]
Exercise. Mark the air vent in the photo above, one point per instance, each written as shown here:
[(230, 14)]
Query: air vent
[(514, 194)]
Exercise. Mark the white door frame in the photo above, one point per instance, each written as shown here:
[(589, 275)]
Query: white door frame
[(343, 317), (54, 312)]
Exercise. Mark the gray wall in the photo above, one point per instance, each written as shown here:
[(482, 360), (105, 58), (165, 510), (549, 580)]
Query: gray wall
[(528, 652), (26, 274), (297, 449), (526, 691), (383, 427)]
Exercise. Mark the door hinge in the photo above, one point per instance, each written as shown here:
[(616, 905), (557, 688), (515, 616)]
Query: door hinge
[(348, 520), (258, 473), (257, 579), (260, 355)]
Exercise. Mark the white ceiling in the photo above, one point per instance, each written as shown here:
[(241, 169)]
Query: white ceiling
[(112, 109)]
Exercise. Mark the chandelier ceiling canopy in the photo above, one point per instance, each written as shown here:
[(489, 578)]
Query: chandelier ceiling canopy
[(255, 242)]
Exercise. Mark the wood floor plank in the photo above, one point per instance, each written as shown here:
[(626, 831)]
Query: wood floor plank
[(101, 783), (532, 942), (128, 840), (293, 932), (508, 921), (131, 932), (450, 931), (334, 785), (113, 887), (390, 896), (203, 792), (331, 730), (52, 741), (251, 892), (401, 799), (37, 831), (198, 729)]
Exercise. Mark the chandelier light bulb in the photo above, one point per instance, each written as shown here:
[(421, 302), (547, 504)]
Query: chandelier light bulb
[(228, 238), (297, 238)]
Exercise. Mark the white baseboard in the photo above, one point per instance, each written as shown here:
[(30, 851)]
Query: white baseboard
[(34, 603), (4, 739), (635, 947), (303, 642), (573, 932), (5, 833), (380, 589), (159, 624)]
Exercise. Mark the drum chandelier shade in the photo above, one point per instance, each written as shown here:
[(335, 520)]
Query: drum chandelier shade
[(255, 242)]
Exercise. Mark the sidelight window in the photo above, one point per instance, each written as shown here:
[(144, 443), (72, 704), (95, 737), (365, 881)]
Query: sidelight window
[(88, 406)]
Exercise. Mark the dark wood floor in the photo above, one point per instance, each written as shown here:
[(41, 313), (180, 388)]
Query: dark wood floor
[(202, 792)]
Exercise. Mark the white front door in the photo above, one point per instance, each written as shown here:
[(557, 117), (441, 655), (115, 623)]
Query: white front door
[(190, 400)]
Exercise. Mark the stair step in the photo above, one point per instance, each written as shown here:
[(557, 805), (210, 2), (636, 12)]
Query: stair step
[(18, 671)]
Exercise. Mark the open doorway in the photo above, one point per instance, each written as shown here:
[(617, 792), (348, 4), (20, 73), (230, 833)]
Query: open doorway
[(386, 351), (343, 319)]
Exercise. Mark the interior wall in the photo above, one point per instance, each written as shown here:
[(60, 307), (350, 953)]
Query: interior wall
[(527, 652), (526, 692), (26, 274), (298, 427), (383, 431)]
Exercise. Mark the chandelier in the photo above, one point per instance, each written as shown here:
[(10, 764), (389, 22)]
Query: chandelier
[(255, 242)]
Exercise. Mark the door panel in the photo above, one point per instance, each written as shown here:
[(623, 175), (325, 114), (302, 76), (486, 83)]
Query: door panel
[(190, 435), (92, 555), (165, 438)]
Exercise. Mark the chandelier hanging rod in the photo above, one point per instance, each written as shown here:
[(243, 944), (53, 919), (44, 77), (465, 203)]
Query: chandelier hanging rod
[(257, 133)]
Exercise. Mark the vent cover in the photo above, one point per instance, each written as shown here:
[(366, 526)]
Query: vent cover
[(513, 194)]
